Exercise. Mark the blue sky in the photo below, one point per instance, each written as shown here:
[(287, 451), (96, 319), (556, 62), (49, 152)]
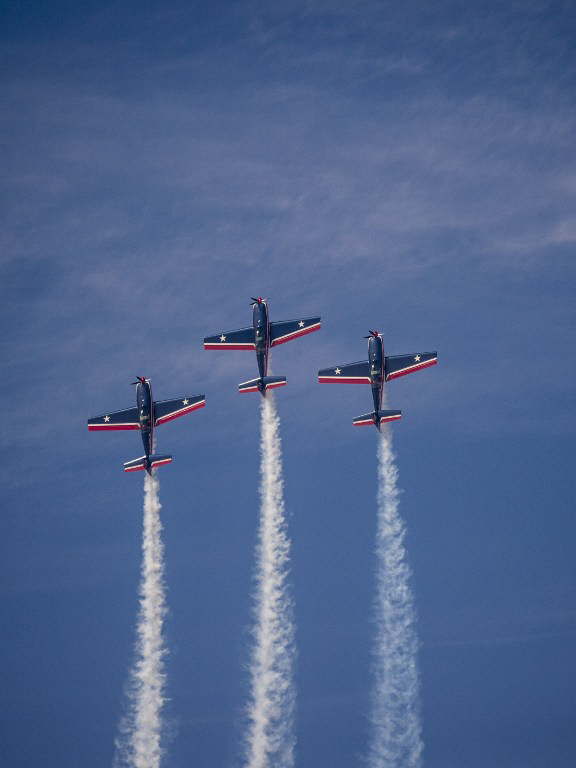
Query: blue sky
[(405, 167)]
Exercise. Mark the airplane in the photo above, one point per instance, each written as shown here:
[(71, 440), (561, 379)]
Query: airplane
[(378, 369), (145, 416), (261, 336)]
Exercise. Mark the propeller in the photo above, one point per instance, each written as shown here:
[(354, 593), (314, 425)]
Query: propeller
[(372, 333), (140, 380), (259, 300)]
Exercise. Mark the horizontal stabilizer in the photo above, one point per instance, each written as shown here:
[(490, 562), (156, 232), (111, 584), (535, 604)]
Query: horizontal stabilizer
[(135, 464), (155, 460), (389, 416), (262, 384), (271, 382), (369, 419)]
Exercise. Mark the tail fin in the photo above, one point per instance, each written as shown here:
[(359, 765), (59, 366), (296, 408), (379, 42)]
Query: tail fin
[(262, 384), (376, 418), (155, 460)]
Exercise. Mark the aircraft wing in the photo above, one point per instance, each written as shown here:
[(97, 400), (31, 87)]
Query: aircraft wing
[(243, 338), (400, 365), (286, 330), (166, 410), (125, 419), (353, 373)]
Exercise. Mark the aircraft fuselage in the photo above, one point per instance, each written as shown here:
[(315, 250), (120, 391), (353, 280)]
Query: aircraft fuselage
[(261, 335), (145, 405), (376, 362)]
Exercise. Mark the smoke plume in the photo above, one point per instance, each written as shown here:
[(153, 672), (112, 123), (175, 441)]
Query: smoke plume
[(396, 740), (140, 742), (270, 740)]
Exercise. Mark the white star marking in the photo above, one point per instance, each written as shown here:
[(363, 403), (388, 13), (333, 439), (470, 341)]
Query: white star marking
[(417, 358), (301, 324), (106, 418), (222, 338), (185, 402), (337, 370)]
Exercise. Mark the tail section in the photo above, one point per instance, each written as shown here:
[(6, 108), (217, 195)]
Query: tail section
[(136, 464), (376, 418), (262, 384), (271, 382), (155, 460)]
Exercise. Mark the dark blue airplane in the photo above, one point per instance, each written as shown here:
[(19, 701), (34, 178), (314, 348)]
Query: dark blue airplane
[(261, 336), (145, 416), (375, 371)]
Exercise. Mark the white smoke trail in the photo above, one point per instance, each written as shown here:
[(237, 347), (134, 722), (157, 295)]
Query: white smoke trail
[(270, 741), (396, 740), (140, 741)]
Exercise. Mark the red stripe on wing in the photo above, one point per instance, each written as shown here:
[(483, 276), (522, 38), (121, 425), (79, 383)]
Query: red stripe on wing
[(181, 412), (224, 345), (295, 334), (343, 380), (411, 369)]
